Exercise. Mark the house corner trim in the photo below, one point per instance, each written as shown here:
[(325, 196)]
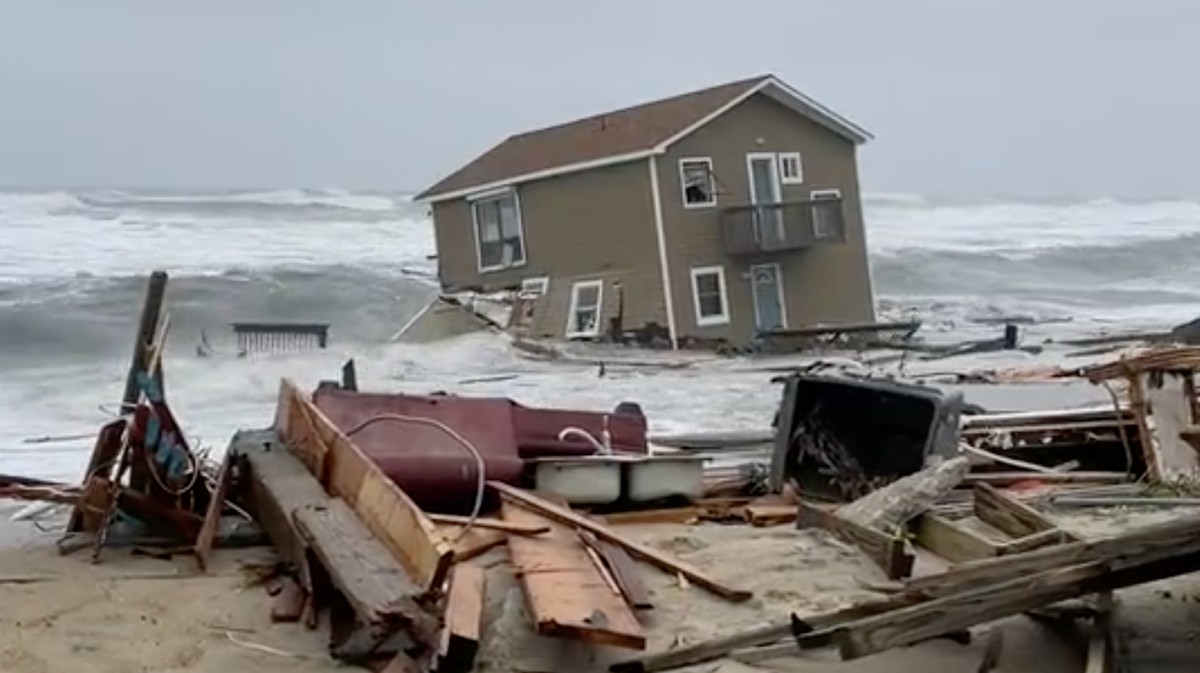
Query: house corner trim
[(661, 235)]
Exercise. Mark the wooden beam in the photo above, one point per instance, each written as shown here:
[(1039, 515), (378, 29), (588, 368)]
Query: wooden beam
[(1153, 541), (1005, 513), (567, 596), (951, 541), (672, 515), (770, 514), (105, 452), (624, 572), (490, 524), (473, 543), (899, 502), (931, 619), (212, 518), (889, 552), (464, 612), (1006, 478), (636, 549), (349, 474), (1035, 541)]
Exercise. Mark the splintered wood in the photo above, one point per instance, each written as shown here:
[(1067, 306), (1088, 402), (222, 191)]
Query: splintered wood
[(567, 595), (342, 467), (464, 614)]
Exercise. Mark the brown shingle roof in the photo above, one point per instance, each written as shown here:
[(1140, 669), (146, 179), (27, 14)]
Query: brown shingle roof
[(611, 134)]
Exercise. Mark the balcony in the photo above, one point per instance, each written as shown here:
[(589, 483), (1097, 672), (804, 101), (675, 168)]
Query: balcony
[(776, 227)]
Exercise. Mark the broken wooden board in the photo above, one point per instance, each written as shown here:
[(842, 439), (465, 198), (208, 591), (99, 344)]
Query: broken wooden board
[(891, 553), (770, 514), (363, 570), (280, 485), (636, 549), (1008, 478), (897, 503), (464, 613), (1005, 513), (342, 467), (212, 518), (473, 542), (490, 524), (623, 570), (951, 541), (567, 596), (645, 516), (1167, 406)]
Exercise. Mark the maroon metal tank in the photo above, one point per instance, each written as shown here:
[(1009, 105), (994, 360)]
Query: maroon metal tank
[(406, 435)]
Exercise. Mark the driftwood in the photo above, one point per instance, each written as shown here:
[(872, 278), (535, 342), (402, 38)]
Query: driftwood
[(894, 505)]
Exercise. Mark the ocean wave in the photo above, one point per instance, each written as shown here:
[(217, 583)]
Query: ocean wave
[(83, 316)]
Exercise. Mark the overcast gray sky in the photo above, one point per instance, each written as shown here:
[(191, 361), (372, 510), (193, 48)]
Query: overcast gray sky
[(965, 97)]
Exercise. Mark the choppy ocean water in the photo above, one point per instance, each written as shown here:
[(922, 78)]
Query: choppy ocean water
[(72, 267)]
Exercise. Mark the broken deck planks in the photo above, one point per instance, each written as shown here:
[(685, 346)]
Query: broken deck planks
[(280, 485), (361, 567), (951, 541), (1008, 514), (473, 542), (348, 473), (624, 571), (490, 524), (464, 613), (635, 549), (890, 553), (567, 596), (212, 518)]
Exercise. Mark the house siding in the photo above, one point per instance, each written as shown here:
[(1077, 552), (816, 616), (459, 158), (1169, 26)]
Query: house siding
[(827, 283), (596, 224)]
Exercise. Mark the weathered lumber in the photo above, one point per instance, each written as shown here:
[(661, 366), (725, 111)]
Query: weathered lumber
[(636, 549), (1035, 541), (348, 473), (362, 569), (1006, 478), (104, 456), (212, 518), (898, 502), (950, 541), (770, 514), (889, 552), (990, 602), (491, 524), (1149, 542), (280, 485), (474, 542), (1008, 514), (566, 594), (464, 610), (672, 515), (624, 572)]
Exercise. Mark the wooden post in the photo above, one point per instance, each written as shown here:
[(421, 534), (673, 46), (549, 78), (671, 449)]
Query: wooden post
[(104, 457)]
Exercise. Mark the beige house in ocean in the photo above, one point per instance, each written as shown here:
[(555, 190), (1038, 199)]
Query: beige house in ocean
[(713, 216)]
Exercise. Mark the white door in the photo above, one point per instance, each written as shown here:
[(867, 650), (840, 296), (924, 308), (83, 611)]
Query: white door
[(763, 174), (766, 283)]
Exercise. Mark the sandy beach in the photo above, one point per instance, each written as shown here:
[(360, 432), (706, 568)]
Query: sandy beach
[(132, 613)]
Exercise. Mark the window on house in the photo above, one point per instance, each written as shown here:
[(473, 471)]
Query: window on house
[(499, 239), (826, 212), (696, 178), (583, 319), (791, 170), (708, 295), (534, 287)]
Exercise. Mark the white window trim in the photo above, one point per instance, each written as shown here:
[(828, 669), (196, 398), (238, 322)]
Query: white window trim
[(707, 161), (575, 288), (484, 196), (535, 285), (754, 196), (812, 196), (783, 178), (711, 320)]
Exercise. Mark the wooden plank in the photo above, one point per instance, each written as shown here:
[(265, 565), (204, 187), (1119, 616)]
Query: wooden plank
[(464, 612), (212, 518), (635, 549), (672, 515), (349, 474), (897, 503), (473, 543), (490, 524), (1035, 541), (933, 618), (361, 567), (770, 515), (624, 571), (105, 452), (1006, 478), (1016, 518), (890, 553), (951, 541), (1154, 541), (566, 594), (280, 485), (289, 602)]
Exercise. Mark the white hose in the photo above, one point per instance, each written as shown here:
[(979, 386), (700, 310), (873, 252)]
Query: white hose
[(480, 466)]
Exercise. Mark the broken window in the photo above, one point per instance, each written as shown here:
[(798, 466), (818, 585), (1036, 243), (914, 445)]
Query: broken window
[(827, 213), (708, 293), (697, 182), (584, 317), (498, 232)]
